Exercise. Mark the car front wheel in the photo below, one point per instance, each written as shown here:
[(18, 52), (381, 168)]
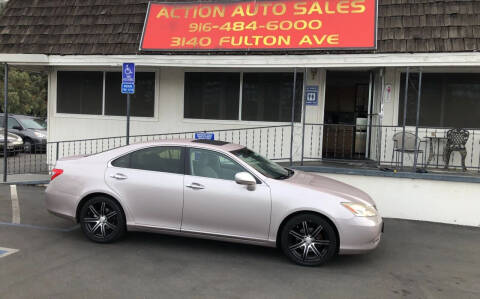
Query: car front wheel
[(309, 240), (102, 219)]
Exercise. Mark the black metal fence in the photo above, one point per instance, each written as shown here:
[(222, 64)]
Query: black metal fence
[(379, 145)]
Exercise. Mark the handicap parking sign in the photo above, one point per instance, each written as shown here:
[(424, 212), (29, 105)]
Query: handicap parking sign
[(311, 95), (128, 73)]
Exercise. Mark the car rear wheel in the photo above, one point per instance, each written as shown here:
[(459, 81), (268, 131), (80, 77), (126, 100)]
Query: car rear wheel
[(102, 219), (309, 240)]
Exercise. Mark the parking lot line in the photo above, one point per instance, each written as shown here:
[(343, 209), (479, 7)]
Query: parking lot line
[(7, 251), (40, 227), (15, 204)]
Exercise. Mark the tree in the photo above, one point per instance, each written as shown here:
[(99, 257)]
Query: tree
[(27, 92)]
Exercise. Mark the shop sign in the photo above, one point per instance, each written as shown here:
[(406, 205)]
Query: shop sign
[(311, 95), (260, 25)]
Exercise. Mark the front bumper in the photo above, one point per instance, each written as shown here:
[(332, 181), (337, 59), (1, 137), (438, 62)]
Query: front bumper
[(360, 234)]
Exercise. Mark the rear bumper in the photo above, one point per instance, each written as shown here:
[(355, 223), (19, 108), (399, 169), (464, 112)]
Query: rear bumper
[(361, 235), (60, 204)]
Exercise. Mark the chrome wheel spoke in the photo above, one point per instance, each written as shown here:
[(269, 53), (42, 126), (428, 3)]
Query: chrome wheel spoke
[(90, 220), (95, 227), (102, 209), (102, 230), (296, 235), (305, 227), (111, 214), (315, 250), (296, 246), (317, 231), (110, 226), (92, 209), (322, 242), (305, 251)]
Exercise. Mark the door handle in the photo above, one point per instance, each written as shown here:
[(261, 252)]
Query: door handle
[(119, 176), (196, 186)]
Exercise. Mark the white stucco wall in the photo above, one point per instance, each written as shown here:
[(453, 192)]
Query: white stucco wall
[(416, 199)]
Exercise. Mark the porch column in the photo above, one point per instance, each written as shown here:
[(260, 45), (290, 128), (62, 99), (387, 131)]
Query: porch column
[(5, 124)]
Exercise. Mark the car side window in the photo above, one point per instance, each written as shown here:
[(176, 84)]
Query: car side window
[(210, 164), (161, 159), (12, 123)]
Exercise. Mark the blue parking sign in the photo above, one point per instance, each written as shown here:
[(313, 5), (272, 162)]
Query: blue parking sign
[(205, 135), (311, 95), (128, 73), (128, 88)]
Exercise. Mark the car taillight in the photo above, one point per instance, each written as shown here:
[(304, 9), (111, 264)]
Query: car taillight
[(56, 172)]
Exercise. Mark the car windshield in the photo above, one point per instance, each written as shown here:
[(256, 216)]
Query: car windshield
[(32, 123), (264, 166)]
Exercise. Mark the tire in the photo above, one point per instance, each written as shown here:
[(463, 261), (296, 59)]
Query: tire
[(313, 246), (27, 146), (102, 220)]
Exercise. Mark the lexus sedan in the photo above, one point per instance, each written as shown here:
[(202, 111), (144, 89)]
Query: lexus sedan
[(216, 190)]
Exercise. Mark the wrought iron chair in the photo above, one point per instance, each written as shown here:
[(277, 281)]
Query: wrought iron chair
[(409, 147), (456, 141)]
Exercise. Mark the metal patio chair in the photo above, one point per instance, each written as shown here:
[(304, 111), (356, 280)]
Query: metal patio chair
[(456, 141), (409, 147)]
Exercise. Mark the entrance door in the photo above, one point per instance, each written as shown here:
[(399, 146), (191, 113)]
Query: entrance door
[(346, 115)]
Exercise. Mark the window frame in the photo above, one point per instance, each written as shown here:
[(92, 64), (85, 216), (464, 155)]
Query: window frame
[(398, 99), (103, 115), (182, 157), (188, 170), (240, 102)]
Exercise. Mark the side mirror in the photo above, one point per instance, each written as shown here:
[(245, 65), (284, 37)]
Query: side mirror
[(17, 128), (244, 178)]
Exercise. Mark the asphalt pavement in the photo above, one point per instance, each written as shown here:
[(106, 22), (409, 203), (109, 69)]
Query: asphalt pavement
[(54, 260)]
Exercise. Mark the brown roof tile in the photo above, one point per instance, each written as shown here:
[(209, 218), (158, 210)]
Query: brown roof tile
[(111, 27)]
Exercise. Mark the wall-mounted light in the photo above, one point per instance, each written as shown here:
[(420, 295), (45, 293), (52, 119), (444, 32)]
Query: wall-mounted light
[(313, 73)]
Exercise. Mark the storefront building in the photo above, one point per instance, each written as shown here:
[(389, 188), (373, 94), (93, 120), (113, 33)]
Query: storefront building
[(355, 74)]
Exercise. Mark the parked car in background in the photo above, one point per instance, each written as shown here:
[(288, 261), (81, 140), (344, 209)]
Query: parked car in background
[(217, 190), (32, 130), (14, 143)]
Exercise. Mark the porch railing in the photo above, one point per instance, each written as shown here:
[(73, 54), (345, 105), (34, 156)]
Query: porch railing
[(312, 143)]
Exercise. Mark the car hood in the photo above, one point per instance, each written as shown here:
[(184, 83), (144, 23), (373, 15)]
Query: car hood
[(331, 186)]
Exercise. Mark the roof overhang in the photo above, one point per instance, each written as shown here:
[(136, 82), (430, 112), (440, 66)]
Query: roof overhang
[(464, 59)]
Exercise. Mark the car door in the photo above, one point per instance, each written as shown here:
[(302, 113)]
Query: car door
[(215, 204), (150, 182)]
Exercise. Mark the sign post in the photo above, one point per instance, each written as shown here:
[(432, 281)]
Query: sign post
[(128, 87)]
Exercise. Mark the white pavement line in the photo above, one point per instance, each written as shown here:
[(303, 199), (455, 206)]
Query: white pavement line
[(15, 204), (7, 251)]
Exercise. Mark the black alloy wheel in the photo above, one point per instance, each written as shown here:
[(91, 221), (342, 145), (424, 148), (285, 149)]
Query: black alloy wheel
[(309, 240), (102, 220)]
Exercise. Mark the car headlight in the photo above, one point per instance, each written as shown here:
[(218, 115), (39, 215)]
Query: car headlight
[(40, 135), (359, 209)]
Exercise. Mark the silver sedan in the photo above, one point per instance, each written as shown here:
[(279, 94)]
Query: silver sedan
[(216, 190)]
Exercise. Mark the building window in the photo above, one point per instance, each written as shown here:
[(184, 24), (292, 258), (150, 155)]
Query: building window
[(142, 102), (265, 96), (212, 95), (268, 96), (79, 92), (447, 100)]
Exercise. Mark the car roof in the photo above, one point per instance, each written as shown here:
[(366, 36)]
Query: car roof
[(200, 143)]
